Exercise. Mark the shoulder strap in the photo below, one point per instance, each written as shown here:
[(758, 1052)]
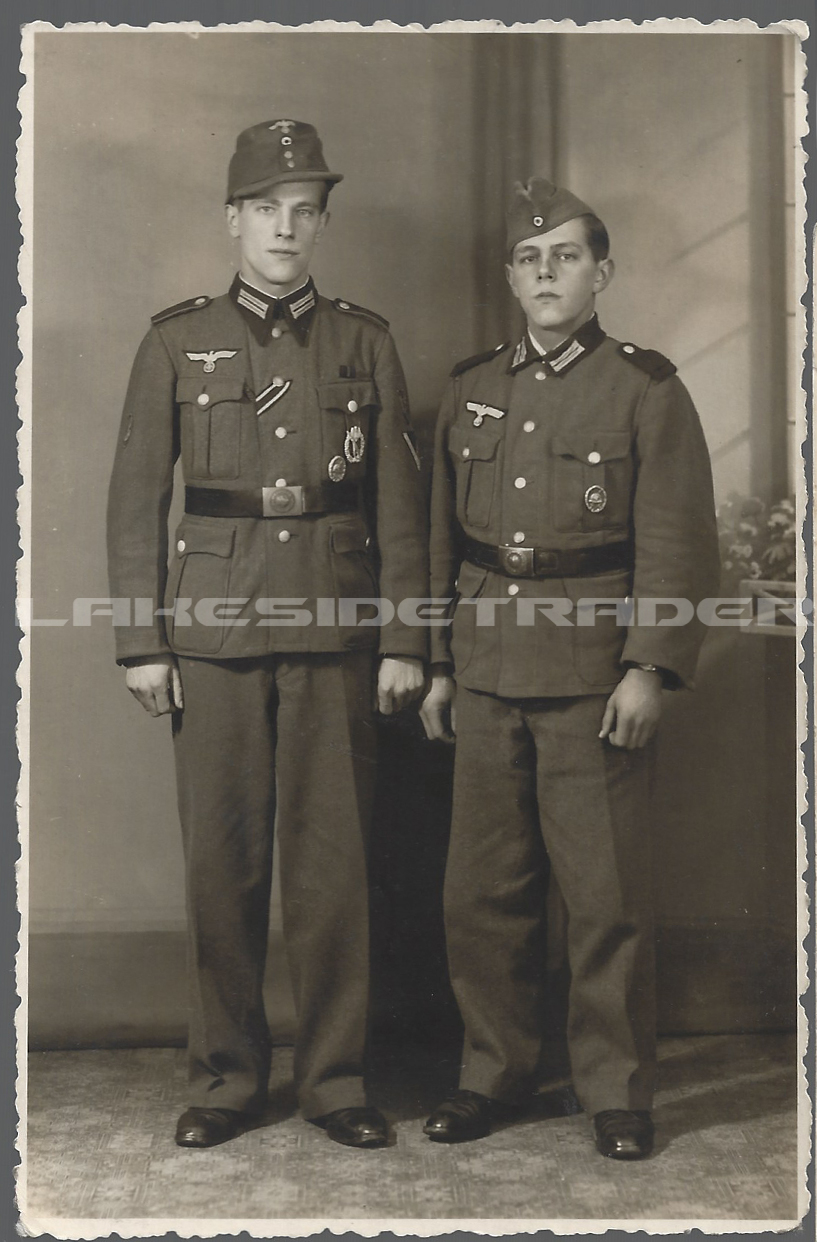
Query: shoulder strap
[(181, 308), (656, 365), (476, 359), (350, 309)]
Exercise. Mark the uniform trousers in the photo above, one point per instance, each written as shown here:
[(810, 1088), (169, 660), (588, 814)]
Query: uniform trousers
[(535, 787), (286, 740)]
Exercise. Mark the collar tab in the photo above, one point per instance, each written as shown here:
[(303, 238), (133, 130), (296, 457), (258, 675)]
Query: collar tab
[(262, 309), (565, 356)]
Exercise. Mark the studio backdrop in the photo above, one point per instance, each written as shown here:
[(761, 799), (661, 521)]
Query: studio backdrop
[(682, 142)]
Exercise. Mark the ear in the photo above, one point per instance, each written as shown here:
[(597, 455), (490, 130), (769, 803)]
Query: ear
[(322, 223), (232, 214), (605, 271), (509, 275)]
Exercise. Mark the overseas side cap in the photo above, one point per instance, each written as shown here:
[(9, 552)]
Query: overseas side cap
[(539, 207), (276, 151)]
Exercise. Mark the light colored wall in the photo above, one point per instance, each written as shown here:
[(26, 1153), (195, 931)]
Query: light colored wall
[(676, 140), (133, 133)]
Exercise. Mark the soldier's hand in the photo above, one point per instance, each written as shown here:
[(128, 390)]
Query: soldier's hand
[(633, 709), (157, 684), (438, 712), (399, 681)]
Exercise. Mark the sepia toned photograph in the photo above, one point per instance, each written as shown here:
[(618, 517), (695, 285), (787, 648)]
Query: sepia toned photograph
[(413, 596)]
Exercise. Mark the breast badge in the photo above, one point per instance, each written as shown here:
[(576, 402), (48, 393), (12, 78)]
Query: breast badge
[(481, 412), (337, 469), (595, 498), (354, 444), (211, 358)]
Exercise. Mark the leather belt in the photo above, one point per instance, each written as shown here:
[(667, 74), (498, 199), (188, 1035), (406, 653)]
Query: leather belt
[(519, 562), (270, 502)]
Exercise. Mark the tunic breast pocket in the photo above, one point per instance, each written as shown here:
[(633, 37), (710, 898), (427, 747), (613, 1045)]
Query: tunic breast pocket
[(348, 412), (474, 454), (211, 412), (592, 480)]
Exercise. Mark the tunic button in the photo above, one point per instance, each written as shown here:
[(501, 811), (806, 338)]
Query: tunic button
[(203, 399), (594, 458), (351, 407), (277, 382), (180, 546), (280, 482), (519, 537), (281, 432), (200, 301), (628, 349), (520, 482), (466, 452), (541, 375), (276, 332), (284, 536), (530, 425), (513, 589)]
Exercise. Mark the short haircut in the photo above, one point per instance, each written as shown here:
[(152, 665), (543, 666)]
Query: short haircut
[(245, 198), (597, 237)]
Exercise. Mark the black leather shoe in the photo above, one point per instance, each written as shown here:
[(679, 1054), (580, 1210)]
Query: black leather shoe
[(465, 1115), (356, 1127), (207, 1127), (624, 1135)]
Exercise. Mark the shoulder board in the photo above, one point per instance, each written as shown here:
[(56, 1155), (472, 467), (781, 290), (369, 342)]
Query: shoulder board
[(476, 359), (181, 308), (351, 309), (656, 365)]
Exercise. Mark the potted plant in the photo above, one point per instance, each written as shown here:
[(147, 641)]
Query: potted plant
[(758, 545)]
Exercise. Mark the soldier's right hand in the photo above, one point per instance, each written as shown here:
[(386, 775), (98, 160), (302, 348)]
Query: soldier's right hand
[(157, 684), (438, 712)]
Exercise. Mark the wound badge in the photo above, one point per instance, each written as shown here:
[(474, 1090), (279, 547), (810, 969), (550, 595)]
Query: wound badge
[(337, 469), (354, 444), (595, 498)]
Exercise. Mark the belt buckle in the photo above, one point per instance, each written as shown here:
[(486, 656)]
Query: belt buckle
[(282, 501), (516, 562)]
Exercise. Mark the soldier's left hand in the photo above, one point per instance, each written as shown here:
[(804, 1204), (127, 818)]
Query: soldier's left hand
[(633, 710), (399, 682)]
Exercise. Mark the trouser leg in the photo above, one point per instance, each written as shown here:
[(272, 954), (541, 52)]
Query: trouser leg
[(593, 808), (495, 885), (325, 771), (224, 745)]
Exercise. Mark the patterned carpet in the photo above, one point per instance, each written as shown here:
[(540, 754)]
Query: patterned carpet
[(100, 1145)]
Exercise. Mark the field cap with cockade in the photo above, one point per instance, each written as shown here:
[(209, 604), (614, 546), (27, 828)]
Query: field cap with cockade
[(539, 207), (276, 151)]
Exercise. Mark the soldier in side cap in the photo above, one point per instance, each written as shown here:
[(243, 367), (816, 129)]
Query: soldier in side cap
[(290, 415), (568, 467)]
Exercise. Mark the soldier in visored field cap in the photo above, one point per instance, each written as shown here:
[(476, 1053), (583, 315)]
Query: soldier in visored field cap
[(302, 490), (568, 467)]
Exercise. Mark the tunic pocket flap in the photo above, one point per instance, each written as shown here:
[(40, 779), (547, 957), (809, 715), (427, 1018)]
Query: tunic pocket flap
[(469, 444), (348, 539), (188, 391), (217, 540), (592, 446), (347, 396)]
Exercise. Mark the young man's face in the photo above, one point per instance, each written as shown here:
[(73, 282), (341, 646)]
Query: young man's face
[(556, 279), (278, 233)]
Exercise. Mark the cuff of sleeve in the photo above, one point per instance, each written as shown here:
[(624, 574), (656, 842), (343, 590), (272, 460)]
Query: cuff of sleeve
[(669, 679)]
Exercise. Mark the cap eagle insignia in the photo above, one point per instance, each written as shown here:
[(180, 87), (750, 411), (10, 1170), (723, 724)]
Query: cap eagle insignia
[(210, 359)]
